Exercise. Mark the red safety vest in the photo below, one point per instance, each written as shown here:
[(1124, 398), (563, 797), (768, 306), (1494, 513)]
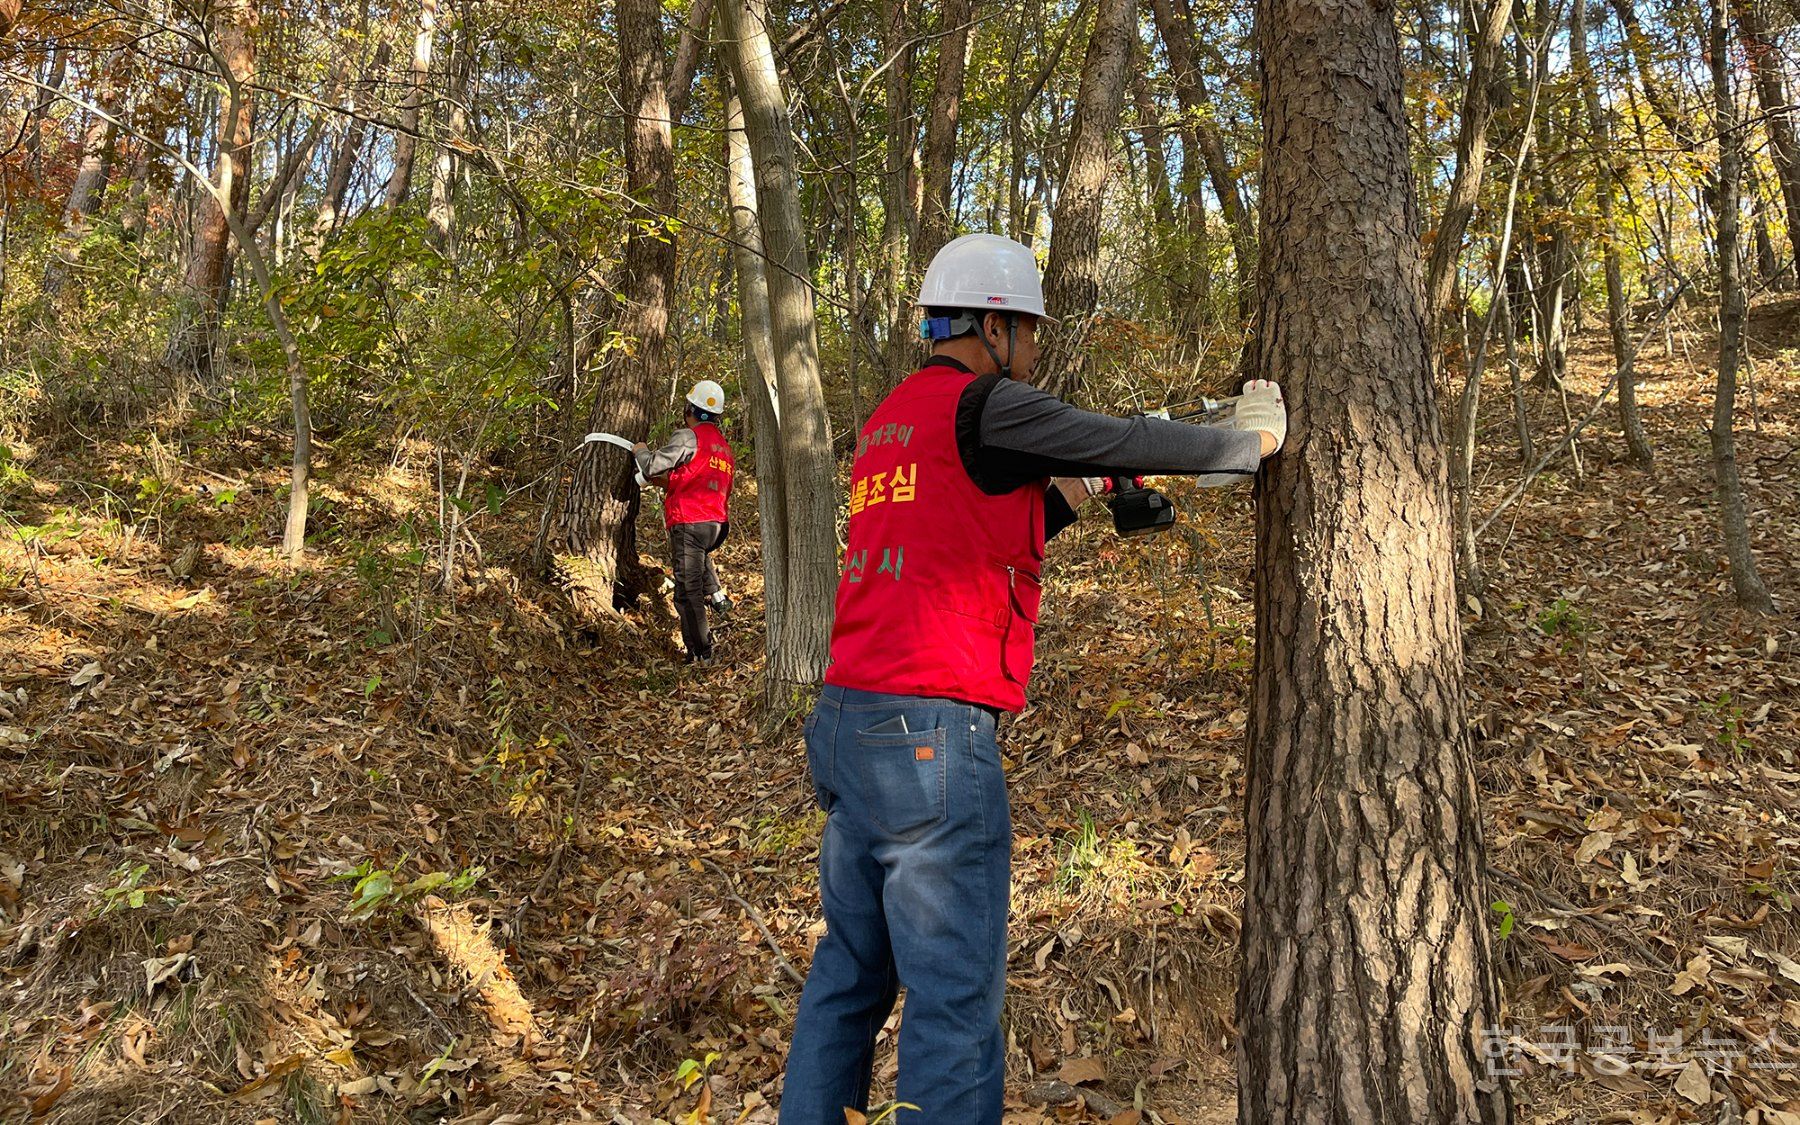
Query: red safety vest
[(699, 491), (939, 592)]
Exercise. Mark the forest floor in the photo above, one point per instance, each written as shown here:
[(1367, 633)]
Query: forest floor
[(331, 843)]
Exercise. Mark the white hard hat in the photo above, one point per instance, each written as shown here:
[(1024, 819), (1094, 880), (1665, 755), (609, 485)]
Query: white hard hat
[(708, 396), (984, 272)]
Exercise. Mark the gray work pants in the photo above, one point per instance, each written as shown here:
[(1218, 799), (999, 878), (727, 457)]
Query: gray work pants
[(690, 551)]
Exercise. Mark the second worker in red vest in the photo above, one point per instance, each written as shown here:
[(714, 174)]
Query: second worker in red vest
[(959, 477), (696, 467)]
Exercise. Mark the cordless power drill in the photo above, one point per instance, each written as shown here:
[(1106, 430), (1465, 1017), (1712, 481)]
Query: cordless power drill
[(1137, 509)]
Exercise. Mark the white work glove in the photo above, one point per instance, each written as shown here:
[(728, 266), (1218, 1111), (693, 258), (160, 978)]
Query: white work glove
[(1079, 490), (1260, 407)]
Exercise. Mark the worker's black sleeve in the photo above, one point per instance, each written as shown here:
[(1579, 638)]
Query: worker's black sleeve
[(1011, 434), (1057, 513)]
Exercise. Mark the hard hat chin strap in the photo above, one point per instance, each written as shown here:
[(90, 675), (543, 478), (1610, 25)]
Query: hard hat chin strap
[(1012, 345)]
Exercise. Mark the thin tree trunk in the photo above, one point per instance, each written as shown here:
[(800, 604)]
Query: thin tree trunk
[(1366, 981), (343, 164), (406, 136), (1656, 95), (1072, 276), (1769, 274), (1748, 587), (937, 219), (1471, 159), (805, 426), (39, 115), (687, 58), (1176, 250), (1522, 420), (1618, 314), (192, 339), (90, 178), (1766, 68), (286, 172), (758, 376), (601, 517), (440, 217), (1462, 473), (902, 137), (1196, 106)]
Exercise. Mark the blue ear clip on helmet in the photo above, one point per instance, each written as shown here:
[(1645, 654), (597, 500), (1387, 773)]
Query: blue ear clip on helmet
[(936, 328)]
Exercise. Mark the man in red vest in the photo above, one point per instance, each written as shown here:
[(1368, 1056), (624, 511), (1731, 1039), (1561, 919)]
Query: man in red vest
[(696, 467), (959, 477)]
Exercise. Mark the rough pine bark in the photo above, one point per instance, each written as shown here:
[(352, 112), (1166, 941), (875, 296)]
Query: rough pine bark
[(805, 427), (1471, 158), (1365, 980), (936, 219), (758, 378), (192, 342), (1072, 275), (600, 519), (1746, 584)]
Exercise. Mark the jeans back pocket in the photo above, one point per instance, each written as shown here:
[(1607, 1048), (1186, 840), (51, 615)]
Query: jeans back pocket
[(903, 777)]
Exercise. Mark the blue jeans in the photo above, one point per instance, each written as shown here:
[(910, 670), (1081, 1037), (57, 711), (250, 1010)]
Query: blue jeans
[(914, 874)]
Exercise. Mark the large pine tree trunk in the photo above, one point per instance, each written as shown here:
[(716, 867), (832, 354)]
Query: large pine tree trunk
[(406, 137), (805, 428), (1771, 94), (758, 378), (937, 218), (1471, 159), (1365, 981), (1072, 276), (1618, 314), (192, 338), (1746, 584), (601, 517)]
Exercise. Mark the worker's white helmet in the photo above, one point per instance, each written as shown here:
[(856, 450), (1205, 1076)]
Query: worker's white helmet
[(987, 273), (708, 396)]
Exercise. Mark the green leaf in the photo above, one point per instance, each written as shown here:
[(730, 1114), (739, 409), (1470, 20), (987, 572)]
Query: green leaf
[(426, 883), (371, 891)]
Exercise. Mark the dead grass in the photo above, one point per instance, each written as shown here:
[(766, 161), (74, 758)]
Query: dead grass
[(251, 732)]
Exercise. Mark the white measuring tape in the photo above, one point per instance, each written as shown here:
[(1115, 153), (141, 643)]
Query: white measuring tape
[(615, 439)]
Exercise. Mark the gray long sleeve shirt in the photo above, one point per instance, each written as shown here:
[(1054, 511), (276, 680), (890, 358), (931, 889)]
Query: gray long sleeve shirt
[(1011, 434), (676, 452)]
